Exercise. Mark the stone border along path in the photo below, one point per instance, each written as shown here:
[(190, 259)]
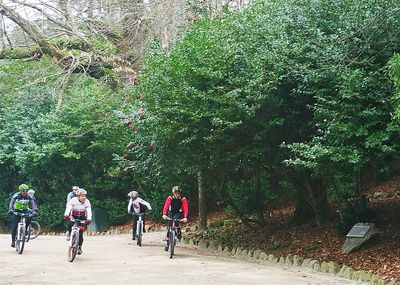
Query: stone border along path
[(343, 271), (292, 260)]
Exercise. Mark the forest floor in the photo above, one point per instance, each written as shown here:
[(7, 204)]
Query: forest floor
[(324, 244), (382, 256)]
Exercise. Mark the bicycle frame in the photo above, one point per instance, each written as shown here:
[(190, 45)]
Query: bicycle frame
[(76, 228), (172, 234), (74, 240), (175, 223), (21, 232), (21, 224), (139, 225)]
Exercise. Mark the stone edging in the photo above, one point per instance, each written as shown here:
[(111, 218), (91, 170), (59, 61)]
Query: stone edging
[(343, 271)]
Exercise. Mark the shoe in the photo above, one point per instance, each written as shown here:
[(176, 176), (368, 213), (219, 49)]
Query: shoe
[(133, 238), (80, 251), (166, 248), (68, 237), (13, 244)]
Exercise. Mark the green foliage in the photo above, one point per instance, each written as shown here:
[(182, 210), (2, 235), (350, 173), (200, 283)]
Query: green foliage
[(216, 224), (100, 45), (70, 43), (103, 46), (115, 208), (51, 212), (281, 98), (221, 235), (54, 149), (303, 82), (277, 245), (4, 215), (311, 246)]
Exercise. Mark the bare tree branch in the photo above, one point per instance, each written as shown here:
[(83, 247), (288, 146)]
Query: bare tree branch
[(31, 29), (44, 13)]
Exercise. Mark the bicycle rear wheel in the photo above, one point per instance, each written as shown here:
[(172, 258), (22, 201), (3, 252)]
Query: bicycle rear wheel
[(20, 242), (73, 247), (35, 229), (171, 243), (139, 236)]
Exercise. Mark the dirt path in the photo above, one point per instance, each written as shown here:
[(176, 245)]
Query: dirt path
[(115, 260)]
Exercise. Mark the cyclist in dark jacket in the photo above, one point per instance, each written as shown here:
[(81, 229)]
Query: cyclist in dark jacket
[(176, 207)]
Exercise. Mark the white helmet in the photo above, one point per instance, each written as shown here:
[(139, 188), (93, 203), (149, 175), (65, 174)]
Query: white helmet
[(31, 192), (75, 189), (133, 194), (81, 191)]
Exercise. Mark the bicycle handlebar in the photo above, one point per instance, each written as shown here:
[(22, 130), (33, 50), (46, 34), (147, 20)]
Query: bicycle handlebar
[(77, 220), (175, 219), (23, 214), (141, 214)]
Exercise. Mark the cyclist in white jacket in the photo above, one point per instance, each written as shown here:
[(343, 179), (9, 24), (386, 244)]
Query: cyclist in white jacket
[(78, 208), (136, 206)]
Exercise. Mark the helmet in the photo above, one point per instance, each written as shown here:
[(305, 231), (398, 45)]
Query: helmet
[(176, 189), (81, 191), (133, 194), (75, 189), (23, 188), (31, 192)]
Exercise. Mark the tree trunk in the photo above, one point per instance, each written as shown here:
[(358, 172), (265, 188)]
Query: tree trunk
[(202, 202), (20, 53), (303, 212), (260, 200), (90, 8), (318, 200), (311, 199), (3, 44)]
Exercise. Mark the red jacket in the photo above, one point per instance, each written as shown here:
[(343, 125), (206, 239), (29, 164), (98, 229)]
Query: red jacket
[(184, 208)]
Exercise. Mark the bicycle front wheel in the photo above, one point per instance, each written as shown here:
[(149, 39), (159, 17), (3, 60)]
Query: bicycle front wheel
[(73, 246), (28, 234), (171, 243), (35, 229), (20, 243)]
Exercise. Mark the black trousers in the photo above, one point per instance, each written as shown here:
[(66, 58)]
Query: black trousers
[(135, 218), (171, 215), (15, 220)]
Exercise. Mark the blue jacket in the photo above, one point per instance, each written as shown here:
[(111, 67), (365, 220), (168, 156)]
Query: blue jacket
[(20, 203)]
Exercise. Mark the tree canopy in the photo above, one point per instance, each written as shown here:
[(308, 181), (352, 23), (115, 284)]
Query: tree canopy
[(281, 101)]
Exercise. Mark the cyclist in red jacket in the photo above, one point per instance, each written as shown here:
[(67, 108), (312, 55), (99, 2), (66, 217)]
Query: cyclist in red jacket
[(177, 208)]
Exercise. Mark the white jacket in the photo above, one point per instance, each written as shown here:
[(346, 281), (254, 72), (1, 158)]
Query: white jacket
[(136, 205), (76, 206)]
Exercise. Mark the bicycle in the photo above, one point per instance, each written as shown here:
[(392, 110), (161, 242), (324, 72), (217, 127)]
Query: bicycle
[(173, 232), (139, 228), (78, 226), (33, 230), (21, 232)]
